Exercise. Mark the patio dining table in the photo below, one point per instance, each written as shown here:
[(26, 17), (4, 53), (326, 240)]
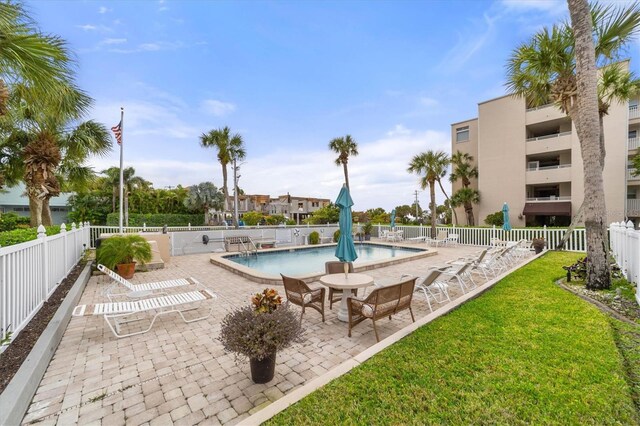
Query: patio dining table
[(346, 283)]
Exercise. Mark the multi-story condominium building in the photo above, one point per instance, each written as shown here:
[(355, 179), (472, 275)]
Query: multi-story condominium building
[(291, 207), (530, 158)]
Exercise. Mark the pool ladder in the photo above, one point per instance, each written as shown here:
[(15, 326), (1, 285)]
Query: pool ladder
[(246, 251)]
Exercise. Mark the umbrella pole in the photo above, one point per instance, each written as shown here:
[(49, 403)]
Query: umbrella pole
[(346, 270)]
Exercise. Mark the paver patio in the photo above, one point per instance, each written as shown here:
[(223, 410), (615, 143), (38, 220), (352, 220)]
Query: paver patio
[(179, 373)]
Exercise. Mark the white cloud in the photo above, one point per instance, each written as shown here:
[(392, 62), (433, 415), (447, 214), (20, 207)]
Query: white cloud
[(150, 47), (217, 108), (378, 176), (553, 7), (103, 10), (111, 41), (472, 41), (87, 27), (428, 102), (162, 7)]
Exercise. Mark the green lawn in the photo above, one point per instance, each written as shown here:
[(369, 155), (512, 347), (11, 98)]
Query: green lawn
[(524, 352)]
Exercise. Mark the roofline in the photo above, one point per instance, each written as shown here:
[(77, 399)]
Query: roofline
[(465, 121), (495, 99)]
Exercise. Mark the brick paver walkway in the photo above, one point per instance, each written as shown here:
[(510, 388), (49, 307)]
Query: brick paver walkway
[(179, 373)]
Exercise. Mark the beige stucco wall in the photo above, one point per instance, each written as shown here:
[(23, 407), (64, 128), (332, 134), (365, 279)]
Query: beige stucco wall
[(469, 147), (501, 157)]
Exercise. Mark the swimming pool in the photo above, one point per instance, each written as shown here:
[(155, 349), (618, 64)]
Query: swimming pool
[(308, 262)]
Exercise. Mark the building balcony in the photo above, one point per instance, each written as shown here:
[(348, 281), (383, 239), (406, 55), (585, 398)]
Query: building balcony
[(552, 198), (549, 174), (548, 143), (633, 208), (634, 112), (634, 143), (543, 113), (630, 175)]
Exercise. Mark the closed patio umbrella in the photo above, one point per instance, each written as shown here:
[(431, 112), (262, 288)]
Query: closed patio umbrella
[(393, 219), (346, 250), (506, 225)]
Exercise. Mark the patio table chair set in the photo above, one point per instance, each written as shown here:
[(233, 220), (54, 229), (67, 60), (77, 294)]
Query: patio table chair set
[(147, 302)]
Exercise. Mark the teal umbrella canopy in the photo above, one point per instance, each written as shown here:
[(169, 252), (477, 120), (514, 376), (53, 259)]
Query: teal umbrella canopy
[(346, 250), (393, 219), (506, 225)]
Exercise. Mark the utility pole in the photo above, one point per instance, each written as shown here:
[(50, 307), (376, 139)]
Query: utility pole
[(416, 194), (236, 176)]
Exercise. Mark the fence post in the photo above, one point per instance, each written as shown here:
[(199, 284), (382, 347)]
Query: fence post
[(144, 226), (189, 226), (63, 231), (42, 235), (546, 236)]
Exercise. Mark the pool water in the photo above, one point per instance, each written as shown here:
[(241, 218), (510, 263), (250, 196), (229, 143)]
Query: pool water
[(307, 261)]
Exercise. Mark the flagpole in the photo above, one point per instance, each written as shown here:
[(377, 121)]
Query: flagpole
[(121, 174)]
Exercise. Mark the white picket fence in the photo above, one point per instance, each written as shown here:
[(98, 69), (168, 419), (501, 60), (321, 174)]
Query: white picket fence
[(30, 272), (624, 241), (483, 236)]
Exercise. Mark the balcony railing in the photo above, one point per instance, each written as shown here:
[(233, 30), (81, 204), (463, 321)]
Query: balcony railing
[(551, 198), (633, 207), (539, 107), (630, 175), (634, 112), (634, 143), (559, 166), (555, 135)]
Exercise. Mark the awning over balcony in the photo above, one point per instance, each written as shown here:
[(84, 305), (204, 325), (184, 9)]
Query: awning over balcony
[(558, 208)]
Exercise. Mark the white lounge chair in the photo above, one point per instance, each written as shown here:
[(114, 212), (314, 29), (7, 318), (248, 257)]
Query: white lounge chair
[(441, 238), (432, 285), (115, 313), (461, 274), (137, 291)]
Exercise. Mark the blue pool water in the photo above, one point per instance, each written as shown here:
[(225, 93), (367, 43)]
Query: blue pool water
[(307, 261)]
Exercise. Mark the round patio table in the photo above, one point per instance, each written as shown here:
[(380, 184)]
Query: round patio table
[(346, 284)]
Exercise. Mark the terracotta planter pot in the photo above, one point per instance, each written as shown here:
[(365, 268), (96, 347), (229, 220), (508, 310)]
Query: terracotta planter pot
[(126, 270), (262, 371)]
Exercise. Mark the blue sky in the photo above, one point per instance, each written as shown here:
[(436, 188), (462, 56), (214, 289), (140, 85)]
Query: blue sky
[(289, 76)]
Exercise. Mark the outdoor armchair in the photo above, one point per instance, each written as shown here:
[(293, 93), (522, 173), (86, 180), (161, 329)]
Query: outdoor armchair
[(299, 293), (335, 267)]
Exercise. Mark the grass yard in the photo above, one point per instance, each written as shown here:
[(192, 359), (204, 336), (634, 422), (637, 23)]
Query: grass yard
[(525, 352)]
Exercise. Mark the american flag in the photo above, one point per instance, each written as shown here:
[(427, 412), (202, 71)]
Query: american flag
[(117, 130)]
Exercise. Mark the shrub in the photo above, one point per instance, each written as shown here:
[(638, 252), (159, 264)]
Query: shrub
[(367, 228), (252, 218), (496, 219), (10, 221), (18, 236), (119, 249), (578, 270), (139, 219), (314, 238), (261, 329), (336, 236)]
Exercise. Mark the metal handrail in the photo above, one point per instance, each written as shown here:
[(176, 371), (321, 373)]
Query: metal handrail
[(554, 135), (555, 198), (559, 166)]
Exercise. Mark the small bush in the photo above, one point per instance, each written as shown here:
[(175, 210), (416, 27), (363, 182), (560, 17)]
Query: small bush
[(18, 236), (139, 219), (578, 270), (336, 236), (314, 238), (496, 219), (123, 249), (10, 221)]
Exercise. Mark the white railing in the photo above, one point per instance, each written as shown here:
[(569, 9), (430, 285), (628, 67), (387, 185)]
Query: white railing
[(624, 241), (540, 107), (481, 236), (554, 135), (551, 198), (634, 143), (559, 166), (30, 272), (633, 207), (633, 111), (630, 175)]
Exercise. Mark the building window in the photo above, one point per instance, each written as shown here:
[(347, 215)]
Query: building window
[(633, 134), (462, 134), (300, 205), (631, 194), (314, 204)]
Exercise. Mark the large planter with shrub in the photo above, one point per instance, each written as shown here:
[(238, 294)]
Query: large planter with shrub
[(120, 253), (259, 331), (538, 244), (367, 228)]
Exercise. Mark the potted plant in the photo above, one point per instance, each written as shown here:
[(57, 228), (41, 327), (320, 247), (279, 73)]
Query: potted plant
[(314, 238), (336, 236), (538, 244), (367, 228), (120, 252), (259, 331)]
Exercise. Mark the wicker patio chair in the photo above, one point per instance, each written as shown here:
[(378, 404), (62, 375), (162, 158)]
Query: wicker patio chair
[(335, 267), (299, 293), (382, 302)]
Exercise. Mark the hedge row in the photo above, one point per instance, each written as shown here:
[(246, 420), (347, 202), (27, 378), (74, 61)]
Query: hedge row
[(10, 221), (18, 236), (150, 219)]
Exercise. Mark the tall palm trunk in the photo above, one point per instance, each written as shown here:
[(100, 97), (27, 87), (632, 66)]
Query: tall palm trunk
[(455, 215), (35, 208), (225, 190), (468, 209), (125, 207), (46, 212), (432, 193), (346, 174), (114, 195), (588, 128)]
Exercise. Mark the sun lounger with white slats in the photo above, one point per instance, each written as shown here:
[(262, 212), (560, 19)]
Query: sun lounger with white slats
[(114, 313), (142, 290)]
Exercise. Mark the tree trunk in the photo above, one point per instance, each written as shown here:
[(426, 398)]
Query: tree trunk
[(468, 209), (432, 193), (46, 213), (587, 121), (125, 207), (455, 215), (35, 209), (346, 175), (114, 195), (225, 190)]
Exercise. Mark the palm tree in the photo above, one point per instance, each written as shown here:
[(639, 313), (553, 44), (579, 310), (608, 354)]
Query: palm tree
[(229, 147), (344, 147), (29, 57), (430, 166), (203, 197), (544, 69), (463, 170), (130, 182)]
